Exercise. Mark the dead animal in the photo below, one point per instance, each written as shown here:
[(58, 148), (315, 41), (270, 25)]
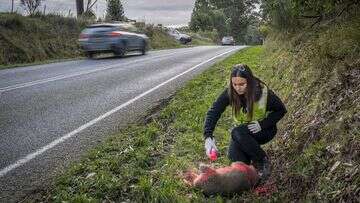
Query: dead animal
[(229, 180)]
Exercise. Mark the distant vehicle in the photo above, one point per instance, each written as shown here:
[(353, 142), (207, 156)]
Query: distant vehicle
[(228, 40), (182, 38), (117, 38)]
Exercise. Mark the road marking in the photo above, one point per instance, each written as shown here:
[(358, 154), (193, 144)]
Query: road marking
[(31, 156), (60, 77)]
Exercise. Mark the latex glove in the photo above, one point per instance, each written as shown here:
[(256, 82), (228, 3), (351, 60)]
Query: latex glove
[(209, 144), (254, 127)]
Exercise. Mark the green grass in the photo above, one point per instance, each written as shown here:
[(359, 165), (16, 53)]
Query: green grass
[(315, 71), (199, 40), (315, 155), (145, 162), (38, 38)]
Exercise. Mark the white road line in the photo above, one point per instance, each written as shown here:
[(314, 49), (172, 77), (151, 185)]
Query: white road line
[(60, 77), (31, 156)]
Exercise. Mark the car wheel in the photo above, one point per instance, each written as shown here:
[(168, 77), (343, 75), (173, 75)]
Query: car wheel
[(143, 49), (119, 51), (90, 54), (182, 41)]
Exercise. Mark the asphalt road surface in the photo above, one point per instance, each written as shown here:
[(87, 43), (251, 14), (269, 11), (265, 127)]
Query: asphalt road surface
[(51, 114)]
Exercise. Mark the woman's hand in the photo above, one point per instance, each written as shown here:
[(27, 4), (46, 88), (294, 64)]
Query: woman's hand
[(254, 127), (209, 144)]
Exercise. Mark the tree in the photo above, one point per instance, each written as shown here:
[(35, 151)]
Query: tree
[(220, 22), (201, 16), (201, 21), (227, 17), (12, 6), (114, 11), (254, 34), (239, 13), (88, 12), (31, 5), (79, 7)]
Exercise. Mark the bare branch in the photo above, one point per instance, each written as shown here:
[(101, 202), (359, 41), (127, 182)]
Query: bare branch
[(317, 21), (346, 8), (30, 5), (93, 4), (87, 5), (306, 16)]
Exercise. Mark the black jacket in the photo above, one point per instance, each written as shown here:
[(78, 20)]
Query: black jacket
[(274, 106)]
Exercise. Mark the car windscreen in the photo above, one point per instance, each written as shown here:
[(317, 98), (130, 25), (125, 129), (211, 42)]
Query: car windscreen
[(100, 29)]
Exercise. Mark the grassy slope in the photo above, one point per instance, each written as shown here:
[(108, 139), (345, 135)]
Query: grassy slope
[(145, 162), (203, 38), (318, 72), (25, 39), (316, 152)]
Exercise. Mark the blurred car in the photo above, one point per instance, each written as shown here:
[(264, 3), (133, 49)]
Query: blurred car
[(182, 38), (228, 40), (117, 38)]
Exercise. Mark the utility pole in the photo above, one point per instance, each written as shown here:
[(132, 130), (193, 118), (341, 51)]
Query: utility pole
[(44, 9), (79, 7), (12, 6)]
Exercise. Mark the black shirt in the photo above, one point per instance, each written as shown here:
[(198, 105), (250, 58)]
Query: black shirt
[(274, 105)]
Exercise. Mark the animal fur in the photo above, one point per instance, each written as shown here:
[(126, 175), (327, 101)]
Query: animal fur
[(233, 179)]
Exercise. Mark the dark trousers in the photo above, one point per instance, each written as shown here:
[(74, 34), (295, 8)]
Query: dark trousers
[(245, 146)]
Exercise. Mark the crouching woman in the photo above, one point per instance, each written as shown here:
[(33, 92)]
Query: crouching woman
[(255, 109)]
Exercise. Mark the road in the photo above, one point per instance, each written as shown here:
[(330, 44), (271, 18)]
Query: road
[(52, 114)]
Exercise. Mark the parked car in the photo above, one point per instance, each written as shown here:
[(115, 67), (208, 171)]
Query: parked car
[(182, 38), (117, 38), (228, 40)]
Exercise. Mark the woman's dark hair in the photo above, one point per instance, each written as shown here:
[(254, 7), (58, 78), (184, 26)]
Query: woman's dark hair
[(253, 90)]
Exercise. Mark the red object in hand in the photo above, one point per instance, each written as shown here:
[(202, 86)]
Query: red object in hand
[(213, 155)]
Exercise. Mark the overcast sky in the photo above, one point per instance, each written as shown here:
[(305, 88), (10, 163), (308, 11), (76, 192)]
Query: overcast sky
[(167, 12)]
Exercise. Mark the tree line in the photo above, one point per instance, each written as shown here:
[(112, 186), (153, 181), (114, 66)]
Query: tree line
[(237, 18), (250, 20), (114, 10)]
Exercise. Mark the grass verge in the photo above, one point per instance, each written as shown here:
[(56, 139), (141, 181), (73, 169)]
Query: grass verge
[(144, 162), (315, 155), (318, 147)]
